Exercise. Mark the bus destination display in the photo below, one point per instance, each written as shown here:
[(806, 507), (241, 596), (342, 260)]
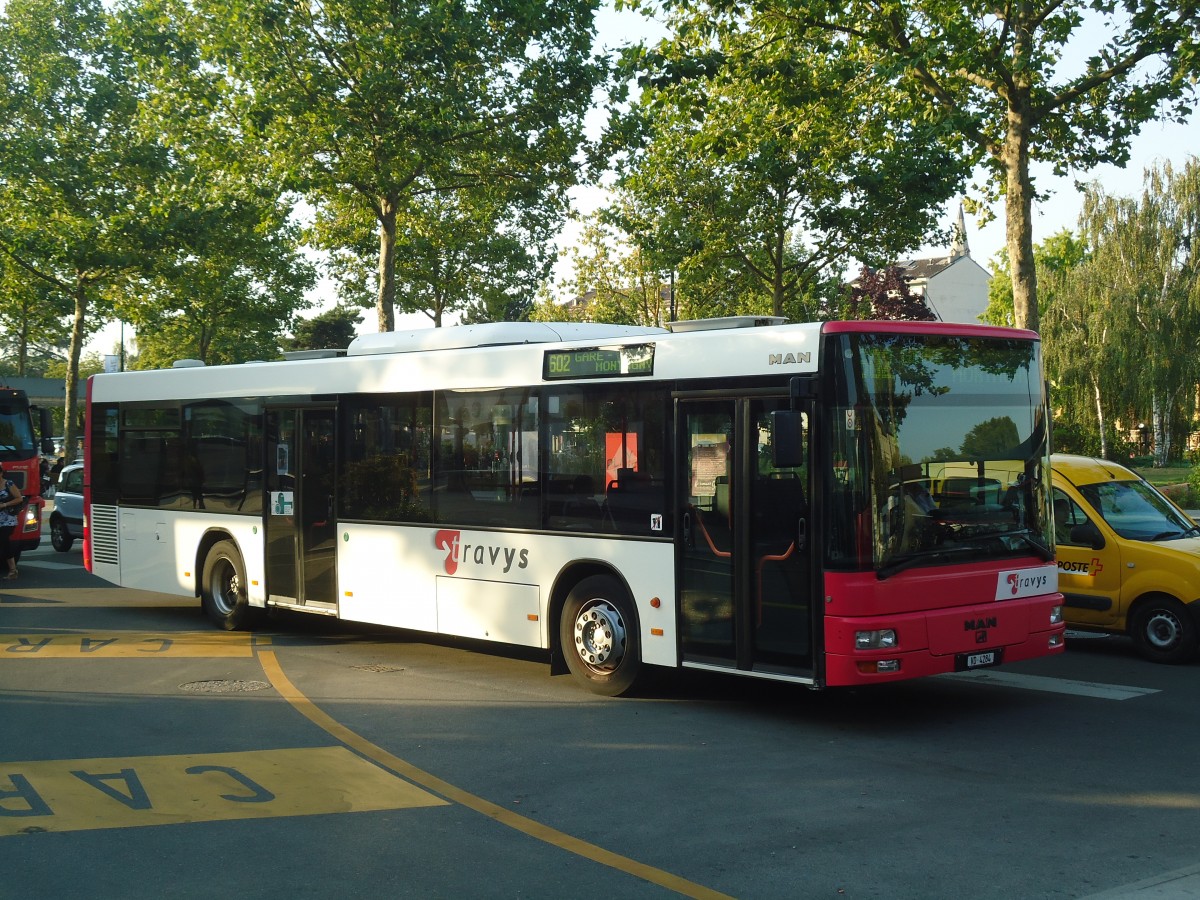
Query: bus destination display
[(600, 362)]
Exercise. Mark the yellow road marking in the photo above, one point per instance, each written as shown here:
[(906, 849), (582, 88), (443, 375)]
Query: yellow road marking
[(124, 645), (493, 811), (84, 794), (63, 600)]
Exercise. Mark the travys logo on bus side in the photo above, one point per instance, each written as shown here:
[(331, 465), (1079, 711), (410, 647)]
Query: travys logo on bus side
[(482, 556)]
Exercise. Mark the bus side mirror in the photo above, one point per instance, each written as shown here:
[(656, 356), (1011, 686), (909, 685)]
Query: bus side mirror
[(787, 439), (1089, 535)]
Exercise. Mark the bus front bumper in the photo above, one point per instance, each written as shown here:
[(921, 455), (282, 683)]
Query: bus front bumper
[(866, 650)]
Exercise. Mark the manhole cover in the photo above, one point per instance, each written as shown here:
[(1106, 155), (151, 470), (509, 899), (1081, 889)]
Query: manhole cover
[(379, 668), (223, 687)]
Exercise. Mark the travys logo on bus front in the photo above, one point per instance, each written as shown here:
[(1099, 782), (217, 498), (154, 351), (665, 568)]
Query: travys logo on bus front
[(483, 557), (1015, 583)]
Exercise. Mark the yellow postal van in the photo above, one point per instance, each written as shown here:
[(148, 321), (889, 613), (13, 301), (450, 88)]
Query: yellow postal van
[(1128, 558)]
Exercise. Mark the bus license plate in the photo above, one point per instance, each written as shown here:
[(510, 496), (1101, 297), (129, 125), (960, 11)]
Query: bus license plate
[(967, 661)]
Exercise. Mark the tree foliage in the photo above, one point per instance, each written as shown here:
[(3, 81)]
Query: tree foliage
[(1121, 323), (755, 165), (77, 183), (396, 112), (885, 294), (1019, 82), (333, 329), (612, 282)]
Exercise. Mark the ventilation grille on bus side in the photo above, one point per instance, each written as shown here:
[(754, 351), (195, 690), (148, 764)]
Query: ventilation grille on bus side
[(103, 531)]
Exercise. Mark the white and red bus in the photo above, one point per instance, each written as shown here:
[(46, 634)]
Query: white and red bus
[(838, 503)]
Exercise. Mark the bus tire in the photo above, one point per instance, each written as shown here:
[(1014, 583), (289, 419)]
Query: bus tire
[(223, 589), (598, 636), (1163, 630)]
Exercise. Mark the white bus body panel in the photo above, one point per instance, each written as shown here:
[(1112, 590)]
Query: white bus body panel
[(157, 550), (780, 351), (399, 576)]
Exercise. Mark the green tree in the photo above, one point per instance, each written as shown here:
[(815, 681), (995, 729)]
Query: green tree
[(376, 106), (1142, 281), (989, 439), (611, 282), (77, 183), (756, 164), (333, 329), (32, 330), (226, 285), (994, 73)]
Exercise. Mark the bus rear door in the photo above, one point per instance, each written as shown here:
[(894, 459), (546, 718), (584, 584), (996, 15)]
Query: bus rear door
[(299, 516)]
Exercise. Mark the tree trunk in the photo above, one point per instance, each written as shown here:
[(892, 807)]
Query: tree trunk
[(1018, 207), (72, 380), (1161, 430), (385, 305), (1100, 418)]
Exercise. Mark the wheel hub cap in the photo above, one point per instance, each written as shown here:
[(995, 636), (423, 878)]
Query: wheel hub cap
[(600, 635), (1162, 630)]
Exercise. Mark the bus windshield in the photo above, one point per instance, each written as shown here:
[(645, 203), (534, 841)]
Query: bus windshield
[(937, 451), (16, 430)]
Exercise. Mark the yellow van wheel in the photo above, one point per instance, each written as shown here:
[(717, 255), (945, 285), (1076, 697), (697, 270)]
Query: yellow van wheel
[(1163, 630)]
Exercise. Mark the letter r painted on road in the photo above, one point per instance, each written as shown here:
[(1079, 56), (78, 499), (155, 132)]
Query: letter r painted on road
[(23, 790)]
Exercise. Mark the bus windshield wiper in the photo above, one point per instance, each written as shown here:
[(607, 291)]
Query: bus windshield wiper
[(1041, 549), (900, 563)]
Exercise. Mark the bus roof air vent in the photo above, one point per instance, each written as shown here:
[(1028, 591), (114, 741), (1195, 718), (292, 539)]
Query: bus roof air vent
[(725, 322), (492, 334), (330, 353), (188, 364)]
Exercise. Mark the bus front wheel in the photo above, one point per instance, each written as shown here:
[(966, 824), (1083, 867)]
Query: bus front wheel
[(223, 589), (598, 636)]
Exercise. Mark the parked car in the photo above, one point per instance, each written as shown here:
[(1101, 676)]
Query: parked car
[(1128, 558), (66, 521)]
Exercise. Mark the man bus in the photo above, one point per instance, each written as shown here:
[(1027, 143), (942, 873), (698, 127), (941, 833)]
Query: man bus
[(837, 503)]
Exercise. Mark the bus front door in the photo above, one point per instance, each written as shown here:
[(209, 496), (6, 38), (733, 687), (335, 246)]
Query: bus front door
[(745, 559), (299, 518)]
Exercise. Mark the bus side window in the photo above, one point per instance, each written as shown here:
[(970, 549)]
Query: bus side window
[(605, 458)]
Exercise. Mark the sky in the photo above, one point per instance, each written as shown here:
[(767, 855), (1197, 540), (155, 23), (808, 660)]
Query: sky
[(1157, 143)]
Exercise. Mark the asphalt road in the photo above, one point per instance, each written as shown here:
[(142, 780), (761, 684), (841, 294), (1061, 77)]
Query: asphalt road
[(143, 754)]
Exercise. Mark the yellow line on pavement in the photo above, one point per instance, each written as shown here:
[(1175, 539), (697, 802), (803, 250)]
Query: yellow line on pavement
[(493, 811)]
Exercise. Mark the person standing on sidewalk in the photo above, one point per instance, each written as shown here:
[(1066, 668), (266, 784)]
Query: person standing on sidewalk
[(11, 501)]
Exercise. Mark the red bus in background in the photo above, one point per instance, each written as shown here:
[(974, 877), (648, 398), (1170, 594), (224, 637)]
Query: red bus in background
[(21, 453)]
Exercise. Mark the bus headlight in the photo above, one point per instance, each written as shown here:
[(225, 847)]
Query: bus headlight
[(1055, 615), (882, 639), (33, 518)]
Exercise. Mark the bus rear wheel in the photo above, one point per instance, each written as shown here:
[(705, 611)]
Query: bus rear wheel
[(223, 589), (1163, 631), (599, 637)]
